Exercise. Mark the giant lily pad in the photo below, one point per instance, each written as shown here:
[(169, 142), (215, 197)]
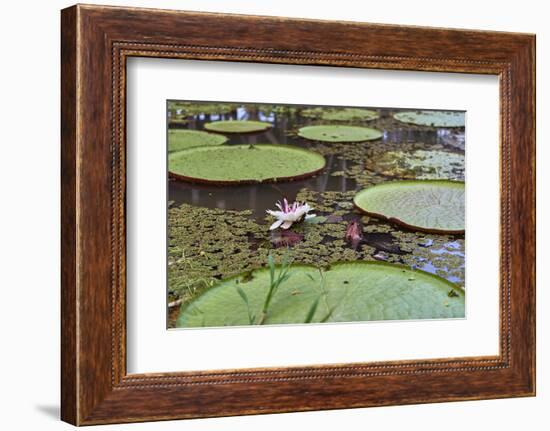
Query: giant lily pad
[(231, 126), (182, 139), (432, 118), (418, 164), (340, 114), (346, 292), (337, 133), (244, 164), (428, 206)]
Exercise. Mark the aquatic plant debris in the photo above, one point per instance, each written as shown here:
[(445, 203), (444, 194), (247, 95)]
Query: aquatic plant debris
[(244, 164), (346, 291), (183, 139), (418, 164), (339, 133), (236, 126), (432, 118), (430, 206), (289, 214)]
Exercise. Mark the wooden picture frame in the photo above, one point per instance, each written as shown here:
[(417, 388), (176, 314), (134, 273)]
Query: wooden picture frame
[(95, 43)]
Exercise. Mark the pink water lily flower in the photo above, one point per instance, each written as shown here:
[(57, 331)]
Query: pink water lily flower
[(289, 214)]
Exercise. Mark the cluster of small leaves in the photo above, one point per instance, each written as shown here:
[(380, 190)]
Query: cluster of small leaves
[(418, 164), (205, 244)]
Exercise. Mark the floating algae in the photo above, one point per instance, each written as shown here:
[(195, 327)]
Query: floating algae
[(418, 164)]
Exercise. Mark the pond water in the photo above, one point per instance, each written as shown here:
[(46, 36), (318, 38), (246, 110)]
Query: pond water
[(349, 168)]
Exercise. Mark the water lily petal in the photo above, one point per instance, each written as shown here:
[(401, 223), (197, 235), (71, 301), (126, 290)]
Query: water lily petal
[(276, 225), (278, 214), (286, 224)]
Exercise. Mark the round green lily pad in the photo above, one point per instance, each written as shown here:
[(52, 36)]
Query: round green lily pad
[(346, 292), (340, 114), (337, 133), (418, 164), (246, 164), (432, 118), (231, 126), (182, 139), (427, 206)]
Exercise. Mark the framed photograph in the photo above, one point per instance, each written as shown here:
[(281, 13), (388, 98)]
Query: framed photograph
[(266, 215)]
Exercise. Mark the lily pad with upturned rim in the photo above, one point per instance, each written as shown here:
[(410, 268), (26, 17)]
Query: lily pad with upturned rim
[(432, 118), (340, 114), (244, 164), (435, 206), (346, 292), (183, 139), (339, 133), (237, 126)]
